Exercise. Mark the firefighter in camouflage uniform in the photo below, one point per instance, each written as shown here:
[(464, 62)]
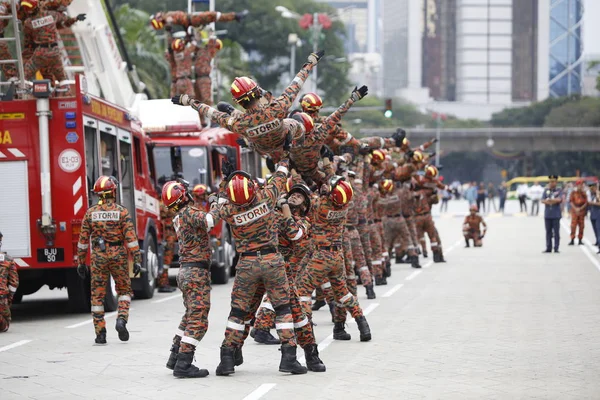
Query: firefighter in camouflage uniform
[(200, 193), (9, 70), (9, 282), (472, 227), (203, 57), (109, 228), (169, 237), (41, 29), (192, 226), (165, 20), (180, 55)]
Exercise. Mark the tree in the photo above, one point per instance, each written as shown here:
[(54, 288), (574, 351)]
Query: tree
[(529, 116), (592, 65), (585, 112)]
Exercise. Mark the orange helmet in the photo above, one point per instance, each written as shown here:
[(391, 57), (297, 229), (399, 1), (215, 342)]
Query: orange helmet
[(431, 171), (387, 185), (377, 156), (106, 186), (306, 121), (178, 45), (219, 44), (311, 102), (341, 190), (157, 21), (473, 208), (173, 195), (241, 189), (200, 190), (244, 89), (29, 5), (417, 156)]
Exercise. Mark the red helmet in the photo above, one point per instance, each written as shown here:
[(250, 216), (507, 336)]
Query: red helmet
[(178, 45), (387, 185), (106, 185), (219, 44), (29, 5), (311, 102), (244, 89), (341, 190), (157, 21), (417, 156), (405, 143), (173, 194), (474, 208), (377, 156), (241, 189), (431, 171), (306, 121), (200, 190)]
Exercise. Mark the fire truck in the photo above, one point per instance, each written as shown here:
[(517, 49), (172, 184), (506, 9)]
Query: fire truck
[(182, 148), (52, 150)]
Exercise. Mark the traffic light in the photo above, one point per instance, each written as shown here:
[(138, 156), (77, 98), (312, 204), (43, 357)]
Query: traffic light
[(388, 108)]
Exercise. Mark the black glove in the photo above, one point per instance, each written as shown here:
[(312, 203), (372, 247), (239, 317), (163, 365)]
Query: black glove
[(434, 140), (80, 17), (410, 154), (270, 164), (287, 144), (182, 100), (326, 152), (242, 142), (358, 94), (82, 270), (226, 168), (168, 28), (431, 155), (399, 136), (241, 15), (225, 107), (137, 269), (364, 149), (314, 58)]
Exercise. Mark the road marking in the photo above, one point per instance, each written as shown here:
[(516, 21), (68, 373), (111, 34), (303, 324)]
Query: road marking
[(12, 346), (260, 391), (585, 250), (175, 296), (393, 290), (89, 321), (411, 276)]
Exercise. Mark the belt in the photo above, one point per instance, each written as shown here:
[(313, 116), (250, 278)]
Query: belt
[(330, 248), (406, 216), (351, 227), (263, 250), (47, 45), (376, 220), (195, 264), (425, 213), (118, 243)]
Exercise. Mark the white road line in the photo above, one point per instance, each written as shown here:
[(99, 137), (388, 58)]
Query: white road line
[(89, 321), (12, 346), (413, 275), (260, 391), (585, 250), (175, 296), (392, 290)]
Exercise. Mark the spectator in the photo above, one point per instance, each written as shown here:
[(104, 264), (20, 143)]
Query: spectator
[(481, 195), (491, 193), (535, 194), (471, 193), (522, 194), (445, 197), (502, 196)]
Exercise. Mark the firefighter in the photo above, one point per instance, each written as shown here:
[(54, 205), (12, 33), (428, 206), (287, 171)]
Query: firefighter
[(328, 217), (41, 28), (192, 226), (263, 125), (579, 207), (200, 193), (169, 237), (249, 213), (9, 70), (423, 220), (162, 20), (203, 56), (109, 227), (180, 55), (472, 227), (9, 282)]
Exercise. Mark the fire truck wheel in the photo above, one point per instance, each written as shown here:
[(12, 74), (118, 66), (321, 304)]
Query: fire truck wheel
[(147, 281), (79, 291)]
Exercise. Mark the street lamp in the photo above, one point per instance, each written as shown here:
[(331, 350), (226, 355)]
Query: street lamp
[(294, 42)]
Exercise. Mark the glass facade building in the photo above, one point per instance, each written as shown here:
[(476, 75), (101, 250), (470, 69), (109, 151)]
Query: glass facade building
[(566, 47)]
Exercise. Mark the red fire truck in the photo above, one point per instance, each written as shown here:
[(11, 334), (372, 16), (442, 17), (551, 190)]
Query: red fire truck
[(182, 148), (52, 150)]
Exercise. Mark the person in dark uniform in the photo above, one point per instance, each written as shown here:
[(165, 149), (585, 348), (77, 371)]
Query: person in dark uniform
[(552, 198), (594, 205)]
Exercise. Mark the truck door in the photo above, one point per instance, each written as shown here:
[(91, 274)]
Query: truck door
[(127, 190), (92, 156)]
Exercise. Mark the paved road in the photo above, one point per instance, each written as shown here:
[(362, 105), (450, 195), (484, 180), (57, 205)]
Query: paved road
[(499, 322)]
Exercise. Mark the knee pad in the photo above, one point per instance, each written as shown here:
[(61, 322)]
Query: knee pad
[(283, 309), (237, 313)]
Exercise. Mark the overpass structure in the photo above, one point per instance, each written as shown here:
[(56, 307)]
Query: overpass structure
[(503, 139)]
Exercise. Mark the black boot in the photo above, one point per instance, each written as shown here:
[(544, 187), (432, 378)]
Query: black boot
[(383, 280), (572, 242), (467, 242), (378, 281), (166, 289), (414, 261), (313, 362), (363, 327), (101, 337), (289, 362), (388, 268), (399, 257), (122, 329), (238, 357), (185, 369), (226, 366), (438, 257), (318, 305), (370, 292), (173, 357), (580, 242), (265, 337), (339, 332), (332, 311)]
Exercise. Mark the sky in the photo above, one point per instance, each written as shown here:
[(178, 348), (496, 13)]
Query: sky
[(591, 27)]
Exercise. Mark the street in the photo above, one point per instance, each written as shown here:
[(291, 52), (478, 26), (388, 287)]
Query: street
[(499, 322)]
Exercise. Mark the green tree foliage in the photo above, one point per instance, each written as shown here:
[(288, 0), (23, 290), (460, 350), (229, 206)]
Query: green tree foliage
[(585, 112), (530, 116)]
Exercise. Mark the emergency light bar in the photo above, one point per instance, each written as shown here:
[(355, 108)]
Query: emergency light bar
[(189, 127)]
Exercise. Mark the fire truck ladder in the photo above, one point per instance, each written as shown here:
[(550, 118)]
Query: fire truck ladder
[(9, 94)]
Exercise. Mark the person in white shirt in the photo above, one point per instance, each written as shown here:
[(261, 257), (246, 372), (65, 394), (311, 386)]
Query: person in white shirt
[(535, 194), (522, 194)]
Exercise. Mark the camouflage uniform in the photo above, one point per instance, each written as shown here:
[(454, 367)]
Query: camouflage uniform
[(408, 202), (181, 69), (169, 236), (424, 222), (41, 29), (358, 255), (9, 70), (202, 59), (265, 127), (378, 261), (396, 229), (471, 229), (112, 223), (9, 282), (197, 19)]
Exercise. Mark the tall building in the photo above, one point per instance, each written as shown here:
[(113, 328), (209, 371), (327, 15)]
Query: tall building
[(566, 47)]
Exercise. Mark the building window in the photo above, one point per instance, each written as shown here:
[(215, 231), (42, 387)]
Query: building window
[(566, 17)]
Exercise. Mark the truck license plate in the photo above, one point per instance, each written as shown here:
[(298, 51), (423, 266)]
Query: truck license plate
[(51, 255)]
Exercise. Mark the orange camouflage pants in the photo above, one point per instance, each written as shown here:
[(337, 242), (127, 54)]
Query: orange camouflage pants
[(377, 250), (182, 86), (49, 62), (358, 256), (5, 316), (9, 70), (424, 224), (397, 234), (112, 262), (339, 311), (412, 230), (365, 239), (577, 220), (475, 235)]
